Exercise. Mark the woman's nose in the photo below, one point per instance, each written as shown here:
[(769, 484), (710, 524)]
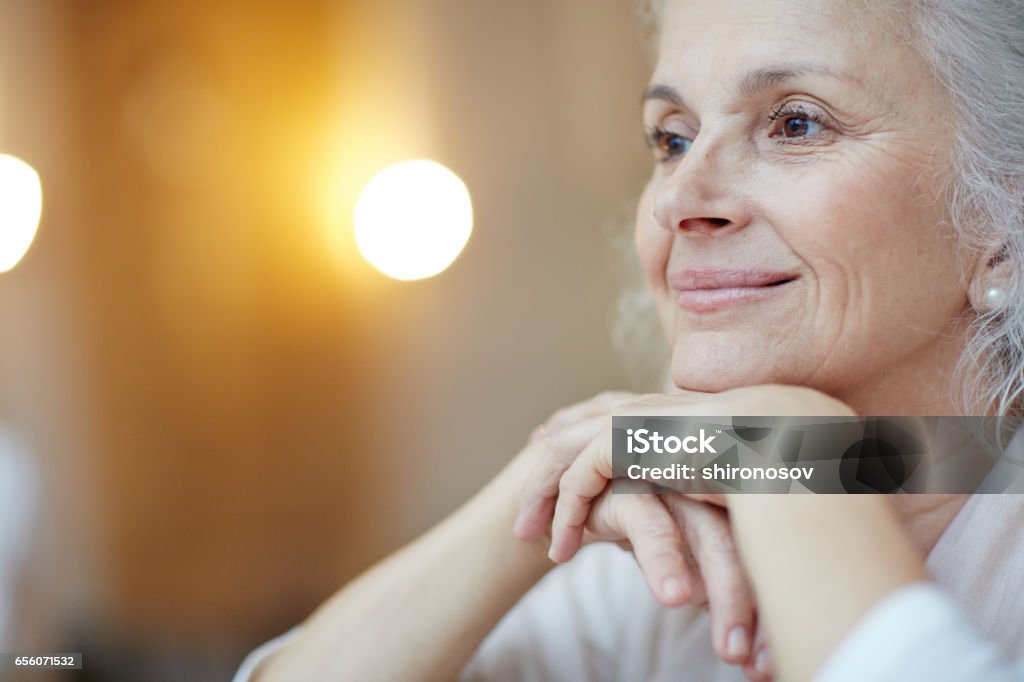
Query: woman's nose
[(699, 196)]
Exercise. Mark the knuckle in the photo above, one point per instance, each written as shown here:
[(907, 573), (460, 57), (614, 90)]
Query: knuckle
[(657, 531), (617, 514), (665, 556), (719, 541), (649, 525)]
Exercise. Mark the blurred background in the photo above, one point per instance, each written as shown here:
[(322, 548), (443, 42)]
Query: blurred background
[(200, 375)]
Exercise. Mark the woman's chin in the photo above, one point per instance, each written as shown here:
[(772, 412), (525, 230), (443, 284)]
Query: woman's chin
[(715, 377), (691, 382)]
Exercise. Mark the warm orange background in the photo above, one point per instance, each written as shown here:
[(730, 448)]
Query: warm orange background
[(232, 413)]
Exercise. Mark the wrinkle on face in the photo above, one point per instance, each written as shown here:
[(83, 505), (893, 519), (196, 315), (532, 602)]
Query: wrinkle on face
[(856, 212)]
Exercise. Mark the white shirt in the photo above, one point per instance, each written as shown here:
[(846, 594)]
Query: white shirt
[(918, 633), (595, 619)]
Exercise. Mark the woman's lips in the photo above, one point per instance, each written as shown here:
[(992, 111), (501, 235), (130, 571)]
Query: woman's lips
[(702, 291)]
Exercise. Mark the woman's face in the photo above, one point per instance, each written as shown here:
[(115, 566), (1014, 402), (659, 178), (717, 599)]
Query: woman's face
[(790, 231)]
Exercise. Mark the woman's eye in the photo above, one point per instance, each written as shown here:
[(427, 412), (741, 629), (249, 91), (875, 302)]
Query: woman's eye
[(800, 126), (677, 144), (668, 145), (795, 123)]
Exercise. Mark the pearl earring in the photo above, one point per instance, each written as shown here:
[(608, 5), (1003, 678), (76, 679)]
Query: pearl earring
[(995, 297)]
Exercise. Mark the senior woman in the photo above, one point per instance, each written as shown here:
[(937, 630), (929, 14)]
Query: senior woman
[(833, 226)]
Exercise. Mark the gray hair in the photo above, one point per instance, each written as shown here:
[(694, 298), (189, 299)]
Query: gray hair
[(976, 51)]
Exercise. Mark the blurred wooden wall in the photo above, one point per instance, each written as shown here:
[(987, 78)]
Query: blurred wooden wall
[(234, 414)]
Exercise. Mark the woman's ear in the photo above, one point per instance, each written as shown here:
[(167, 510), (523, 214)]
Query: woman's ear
[(990, 284)]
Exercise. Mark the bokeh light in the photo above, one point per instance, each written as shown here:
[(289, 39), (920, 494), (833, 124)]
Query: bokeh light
[(21, 205), (413, 219)]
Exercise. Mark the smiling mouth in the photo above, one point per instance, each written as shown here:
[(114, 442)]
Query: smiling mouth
[(709, 290)]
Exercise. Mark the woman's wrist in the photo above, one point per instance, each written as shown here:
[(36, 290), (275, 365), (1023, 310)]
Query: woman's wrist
[(819, 563), (840, 534), (493, 510)]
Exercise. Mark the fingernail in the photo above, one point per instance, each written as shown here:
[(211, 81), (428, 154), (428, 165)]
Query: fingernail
[(672, 588), (737, 644), (763, 663)]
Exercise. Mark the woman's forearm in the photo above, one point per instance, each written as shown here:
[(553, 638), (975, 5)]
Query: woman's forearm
[(422, 612), (819, 563)]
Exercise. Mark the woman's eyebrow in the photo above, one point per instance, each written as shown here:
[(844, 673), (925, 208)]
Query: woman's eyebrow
[(755, 81), (758, 80), (663, 92)]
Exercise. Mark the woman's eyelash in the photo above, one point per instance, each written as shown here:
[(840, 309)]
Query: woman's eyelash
[(786, 110), (652, 136)]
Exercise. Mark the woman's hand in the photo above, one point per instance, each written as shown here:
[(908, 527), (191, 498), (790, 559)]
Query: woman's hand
[(677, 542), (562, 437), (588, 475), (685, 551), (709, 532), (640, 523), (687, 555)]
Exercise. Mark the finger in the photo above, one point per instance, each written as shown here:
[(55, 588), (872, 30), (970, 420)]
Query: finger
[(655, 538), (698, 588), (558, 451), (585, 479), (693, 582), (732, 605), (717, 499), (760, 667), (600, 404)]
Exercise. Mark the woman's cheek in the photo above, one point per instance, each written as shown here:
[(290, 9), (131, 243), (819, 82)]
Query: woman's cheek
[(653, 244), (836, 215), (653, 247)]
